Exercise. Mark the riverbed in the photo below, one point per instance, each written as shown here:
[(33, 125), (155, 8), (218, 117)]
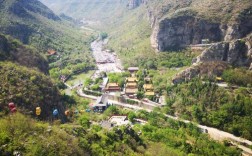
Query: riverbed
[(106, 61)]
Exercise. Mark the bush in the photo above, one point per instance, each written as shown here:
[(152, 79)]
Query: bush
[(238, 76)]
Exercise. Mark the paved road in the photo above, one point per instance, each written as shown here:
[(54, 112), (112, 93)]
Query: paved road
[(213, 132), (80, 93)]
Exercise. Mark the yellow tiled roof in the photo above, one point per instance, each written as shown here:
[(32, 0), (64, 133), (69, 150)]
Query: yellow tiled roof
[(148, 86), (131, 91), (131, 84), (149, 94), (112, 85), (131, 79)]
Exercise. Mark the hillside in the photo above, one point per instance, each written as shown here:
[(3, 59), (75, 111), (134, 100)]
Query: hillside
[(15, 51), (28, 89), (36, 25), (93, 11)]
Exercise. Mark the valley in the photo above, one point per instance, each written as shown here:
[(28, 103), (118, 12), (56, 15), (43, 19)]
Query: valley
[(133, 77)]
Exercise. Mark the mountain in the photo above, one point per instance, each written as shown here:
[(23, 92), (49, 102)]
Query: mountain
[(23, 19), (88, 9), (179, 24), (23, 65), (13, 50), (36, 25)]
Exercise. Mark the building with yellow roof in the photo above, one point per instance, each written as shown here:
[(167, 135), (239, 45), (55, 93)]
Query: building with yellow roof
[(148, 93), (148, 87), (131, 79), (131, 86)]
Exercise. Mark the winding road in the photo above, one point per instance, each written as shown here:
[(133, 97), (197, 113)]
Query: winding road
[(214, 133), (112, 64)]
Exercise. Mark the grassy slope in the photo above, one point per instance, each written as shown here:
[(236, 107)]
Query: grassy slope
[(30, 137), (13, 50)]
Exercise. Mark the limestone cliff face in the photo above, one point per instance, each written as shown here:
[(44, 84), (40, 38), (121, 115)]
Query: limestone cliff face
[(181, 31), (179, 24)]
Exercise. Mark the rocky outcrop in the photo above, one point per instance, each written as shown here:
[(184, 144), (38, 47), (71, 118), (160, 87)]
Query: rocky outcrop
[(134, 3), (237, 53), (179, 24), (178, 32), (215, 59), (202, 69), (186, 75)]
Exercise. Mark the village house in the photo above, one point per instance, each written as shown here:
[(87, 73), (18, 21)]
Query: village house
[(101, 104), (119, 120), (51, 52)]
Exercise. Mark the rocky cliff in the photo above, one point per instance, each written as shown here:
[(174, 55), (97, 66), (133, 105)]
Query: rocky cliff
[(179, 24), (178, 32), (215, 59), (236, 53)]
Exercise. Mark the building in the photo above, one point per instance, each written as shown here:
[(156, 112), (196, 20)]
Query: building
[(205, 41), (133, 69), (131, 91), (131, 86), (112, 87), (131, 80), (118, 120), (148, 89), (51, 52), (101, 104), (147, 80)]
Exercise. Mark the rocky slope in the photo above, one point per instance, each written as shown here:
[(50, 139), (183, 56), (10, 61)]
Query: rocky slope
[(13, 50), (215, 59), (236, 53)]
